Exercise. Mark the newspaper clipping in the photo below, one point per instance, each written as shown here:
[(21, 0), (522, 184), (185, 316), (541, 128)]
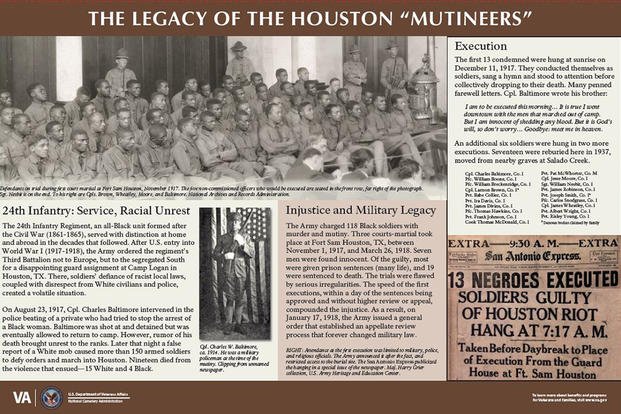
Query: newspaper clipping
[(529, 308)]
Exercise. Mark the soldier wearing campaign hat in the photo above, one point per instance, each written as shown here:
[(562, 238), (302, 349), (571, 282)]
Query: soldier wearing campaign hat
[(119, 75), (354, 74), (235, 251), (240, 67), (394, 73)]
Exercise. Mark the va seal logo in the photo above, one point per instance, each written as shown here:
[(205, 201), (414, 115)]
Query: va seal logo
[(51, 398)]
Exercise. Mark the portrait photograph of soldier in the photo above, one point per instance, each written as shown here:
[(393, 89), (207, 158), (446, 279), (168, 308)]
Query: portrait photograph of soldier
[(235, 274), (231, 110)]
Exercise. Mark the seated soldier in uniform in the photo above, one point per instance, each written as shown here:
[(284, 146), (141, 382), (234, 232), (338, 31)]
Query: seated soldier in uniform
[(218, 154), (137, 104), (58, 146), (187, 158), (112, 123), (333, 129), (335, 85), (6, 122), (98, 140), (204, 88), (246, 142), (155, 156), (191, 112), (223, 125), (396, 142), (401, 116), (73, 108), (86, 110), (334, 133), (8, 173), (185, 152), (289, 108), (299, 88), (239, 94), (188, 99), (228, 83), (39, 109), (124, 120), (155, 117), (400, 113), (342, 97), (290, 114), (220, 95), (295, 101), (104, 104), (16, 145), (37, 168), (187, 112), (277, 140), (58, 114), (307, 125), (367, 102), (6, 100), (287, 92), (281, 76), (229, 109), (251, 89), (80, 165), (120, 162), (258, 105), (276, 100), (323, 100), (244, 106), (190, 85), (311, 91), (355, 131), (158, 101), (162, 86)]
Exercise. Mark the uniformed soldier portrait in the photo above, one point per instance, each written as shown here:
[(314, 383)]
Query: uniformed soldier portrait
[(119, 75), (240, 67), (354, 74), (235, 274), (267, 96), (394, 71)]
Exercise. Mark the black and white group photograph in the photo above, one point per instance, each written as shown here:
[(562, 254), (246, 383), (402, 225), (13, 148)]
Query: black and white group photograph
[(235, 274), (223, 110)]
